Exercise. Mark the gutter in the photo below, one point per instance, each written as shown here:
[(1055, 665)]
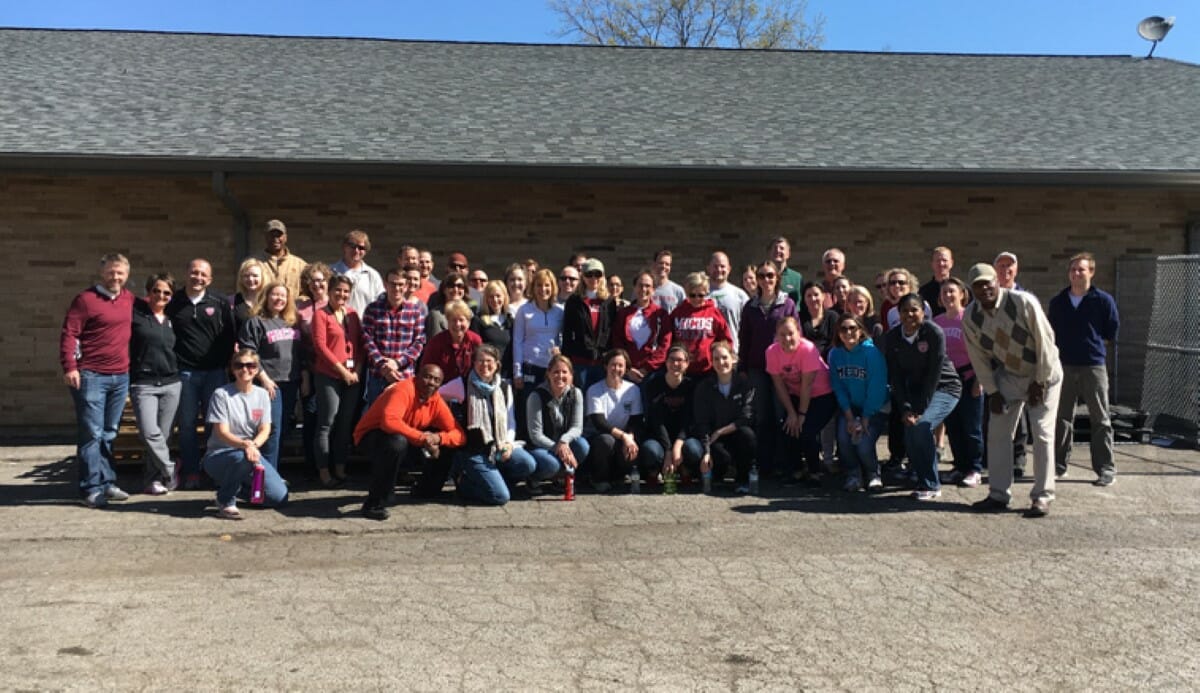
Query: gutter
[(241, 220), (560, 173)]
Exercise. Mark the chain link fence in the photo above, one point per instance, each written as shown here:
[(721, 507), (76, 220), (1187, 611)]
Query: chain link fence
[(1159, 300)]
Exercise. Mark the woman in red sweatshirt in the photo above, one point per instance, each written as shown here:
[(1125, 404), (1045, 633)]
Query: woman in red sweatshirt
[(697, 323)]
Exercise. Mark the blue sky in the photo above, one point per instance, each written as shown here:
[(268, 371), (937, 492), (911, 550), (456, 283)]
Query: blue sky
[(1100, 27)]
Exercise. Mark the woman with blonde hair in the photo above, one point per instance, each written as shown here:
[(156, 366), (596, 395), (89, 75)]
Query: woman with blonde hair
[(516, 282), (861, 305), (696, 323), (249, 286), (588, 317), (272, 331), (494, 324)]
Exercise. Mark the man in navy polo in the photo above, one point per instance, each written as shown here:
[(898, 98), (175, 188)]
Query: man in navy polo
[(1084, 318)]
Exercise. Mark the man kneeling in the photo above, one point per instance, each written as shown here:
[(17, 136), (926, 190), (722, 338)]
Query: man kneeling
[(409, 420)]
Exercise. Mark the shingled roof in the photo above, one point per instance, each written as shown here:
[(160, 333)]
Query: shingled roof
[(239, 101)]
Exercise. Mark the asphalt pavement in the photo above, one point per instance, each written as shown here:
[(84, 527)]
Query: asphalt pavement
[(795, 589)]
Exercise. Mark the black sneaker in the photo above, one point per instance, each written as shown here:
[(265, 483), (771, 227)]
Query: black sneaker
[(1018, 473), (375, 512), (989, 505)]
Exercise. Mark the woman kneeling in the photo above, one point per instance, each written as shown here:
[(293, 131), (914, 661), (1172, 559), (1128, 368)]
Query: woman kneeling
[(492, 458), (240, 413)]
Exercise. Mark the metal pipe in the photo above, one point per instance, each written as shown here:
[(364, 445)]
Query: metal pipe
[(241, 220)]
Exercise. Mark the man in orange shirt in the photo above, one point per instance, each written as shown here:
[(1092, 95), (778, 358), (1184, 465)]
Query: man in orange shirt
[(409, 422)]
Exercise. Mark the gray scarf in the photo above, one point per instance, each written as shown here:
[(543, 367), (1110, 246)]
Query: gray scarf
[(478, 395)]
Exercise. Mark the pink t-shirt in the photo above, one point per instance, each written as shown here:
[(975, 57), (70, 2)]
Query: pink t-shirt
[(805, 359)]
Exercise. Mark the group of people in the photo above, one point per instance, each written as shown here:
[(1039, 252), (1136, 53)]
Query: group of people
[(546, 376)]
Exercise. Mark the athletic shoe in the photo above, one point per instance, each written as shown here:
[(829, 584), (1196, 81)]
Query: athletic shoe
[(875, 484), (971, 480), (953, 477), (1040, 508), (989, 505), (95, 500), (742, 490), (927, 494), (229, 512), (155, 488), (1060, 475), (851, 485), (114, 493), (375, 512), (1105, 479)]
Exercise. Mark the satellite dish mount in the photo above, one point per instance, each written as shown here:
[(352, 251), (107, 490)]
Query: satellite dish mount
[(1154, 29)]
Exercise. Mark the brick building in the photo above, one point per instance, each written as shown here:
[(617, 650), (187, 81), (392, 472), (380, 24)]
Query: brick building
[(171, 146)]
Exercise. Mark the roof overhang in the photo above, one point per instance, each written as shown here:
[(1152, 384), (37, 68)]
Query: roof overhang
[(716, 175)]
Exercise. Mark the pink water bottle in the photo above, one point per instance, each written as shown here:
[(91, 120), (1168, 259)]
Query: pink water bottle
[(256, 485)]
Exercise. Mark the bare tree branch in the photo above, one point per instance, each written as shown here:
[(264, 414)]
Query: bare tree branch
[(707, 23)]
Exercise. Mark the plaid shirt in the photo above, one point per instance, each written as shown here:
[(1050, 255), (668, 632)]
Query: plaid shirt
[(394, 334)]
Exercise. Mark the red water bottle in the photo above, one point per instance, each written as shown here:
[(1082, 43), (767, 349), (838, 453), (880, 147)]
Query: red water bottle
[(569, 495), (256, 485)]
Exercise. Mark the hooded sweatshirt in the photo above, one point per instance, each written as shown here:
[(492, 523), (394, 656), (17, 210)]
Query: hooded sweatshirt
[(859, 378), (696, 329)]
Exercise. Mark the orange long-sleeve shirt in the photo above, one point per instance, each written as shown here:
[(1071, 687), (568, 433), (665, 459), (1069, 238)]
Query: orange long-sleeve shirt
[(398, 411)]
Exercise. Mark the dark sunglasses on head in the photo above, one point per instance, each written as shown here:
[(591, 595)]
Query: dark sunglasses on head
[(245, 366)]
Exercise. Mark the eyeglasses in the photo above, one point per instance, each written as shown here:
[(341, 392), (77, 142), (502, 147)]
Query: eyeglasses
[(458, 285), (593, 275), (898, 282), (697, 295), (355, 246), (245, 366), (478, 280), (766, 275), (161, 292)]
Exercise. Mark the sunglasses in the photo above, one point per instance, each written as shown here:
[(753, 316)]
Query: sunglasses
[(849, 329), (566, 278), (355, 246), (245, 366), (898, 282), (766, 275), (593, 275), (458, 285), (697, 295)]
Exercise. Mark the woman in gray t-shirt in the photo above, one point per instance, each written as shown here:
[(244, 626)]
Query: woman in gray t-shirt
[(240, 414)]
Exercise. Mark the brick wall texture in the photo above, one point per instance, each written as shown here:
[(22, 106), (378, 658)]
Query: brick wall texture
[(55, 227)]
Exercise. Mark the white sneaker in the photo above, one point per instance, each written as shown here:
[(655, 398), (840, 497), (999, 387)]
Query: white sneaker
[(971, 480), (875, 484), (114, 493), (927, 494), (155, 488)]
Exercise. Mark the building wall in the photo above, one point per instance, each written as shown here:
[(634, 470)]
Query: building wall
[(56, 227)]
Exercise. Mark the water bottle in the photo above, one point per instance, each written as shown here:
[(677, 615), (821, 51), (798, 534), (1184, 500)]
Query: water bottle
[(753, 480), (635, 480), (569, 485), (256, 485), (670, 484), (706, 478)]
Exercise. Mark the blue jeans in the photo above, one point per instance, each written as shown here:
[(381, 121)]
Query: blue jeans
[(197, 390), (918, 440), (281, 408), (964, 429), (652, 454), (860, 460), (586, 376), (807, 447), (548, 465), (232, 472), (99, 402), (487, 483)]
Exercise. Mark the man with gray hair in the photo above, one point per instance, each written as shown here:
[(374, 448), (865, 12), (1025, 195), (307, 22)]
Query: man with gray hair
[(94, 353)]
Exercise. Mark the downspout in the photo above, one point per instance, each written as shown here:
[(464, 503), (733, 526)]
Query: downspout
[(241, 220)]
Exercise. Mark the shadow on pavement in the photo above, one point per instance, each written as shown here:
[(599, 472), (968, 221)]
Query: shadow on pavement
[(839, 503)]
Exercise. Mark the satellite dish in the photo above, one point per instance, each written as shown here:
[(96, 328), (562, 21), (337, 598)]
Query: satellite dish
[(1154, 29)]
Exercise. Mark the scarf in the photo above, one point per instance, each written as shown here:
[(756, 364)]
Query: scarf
[(479, 413)]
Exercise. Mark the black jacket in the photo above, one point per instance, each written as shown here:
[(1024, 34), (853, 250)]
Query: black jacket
[(151, 349), (668, 412), (917, 370), (204, 332), (579, 340), (712, 410)]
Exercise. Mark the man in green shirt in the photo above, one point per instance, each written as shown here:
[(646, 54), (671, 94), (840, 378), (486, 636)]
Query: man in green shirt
[(790, 281)]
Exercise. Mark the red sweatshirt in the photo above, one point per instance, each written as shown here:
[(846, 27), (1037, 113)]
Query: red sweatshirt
[(696, 329), (96, 333)]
